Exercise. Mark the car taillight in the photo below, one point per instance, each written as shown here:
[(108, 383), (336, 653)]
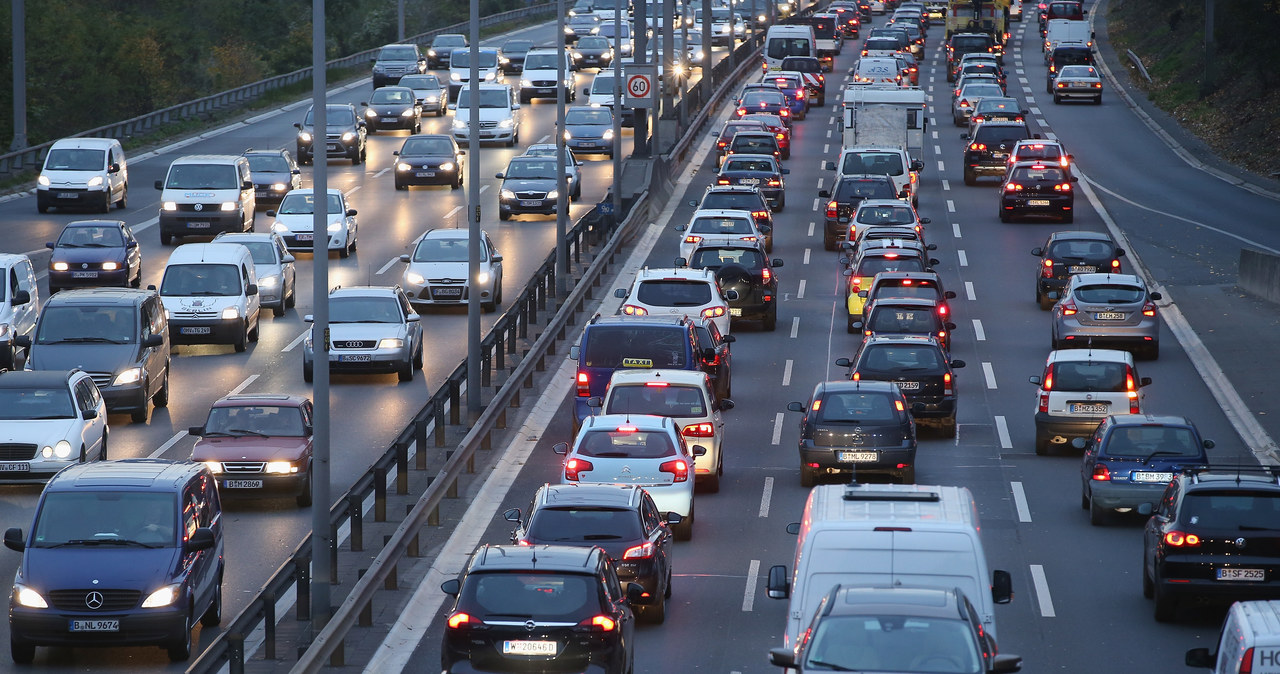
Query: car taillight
[(692, 239), (977, 146), (633, 310), (822, 78), (943, 310), (574, 466), (1068, 307), (1148, 309), (713, 312), (1246, 661), (1047, 270), (677, 467), (1115, 265), (459, 620), (643, 551), (1179, 539), (742, 111), (602, 623), (780, 136), (979, 119), (1012, 187), (702, 430), (1101, 473), (1044, 403), (722, 181), (721, 143), (864, 52), (766, 275), (1062, 85), (832, 210), (584, 385), (946, 383), (1063, 161), (784, 113), (964, 102), (1062, 187), (774, 182), (800, 93), (1097, 85)]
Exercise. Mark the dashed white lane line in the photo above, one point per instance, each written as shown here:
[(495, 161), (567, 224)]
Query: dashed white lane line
[(786, 372), (777, 429), (800, 291), (766, 497), (817, 203), (980, 333), (820, 181), (137, 228), (795, 326), (1019, 501), (296, 341), (379, 173), (964, 259), (806, 256), (1034, 110), (1042, 591), (1002, 431), (353, 190), (1026, 89), (544, 138), (941, 166), (989, 374), (968, 291), (1050, 135), (937, 149), (946, 186), (828, 133), (244, 384), (753, 576), (935, 134), (955, 229), (831, 119), (387, 266), (1024, 80), (951, 206), (812, 225), (453, 212), (483, 188), (165, 447), (826, 148)]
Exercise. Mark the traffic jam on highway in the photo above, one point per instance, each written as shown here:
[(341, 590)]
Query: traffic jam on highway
[(883, 564)]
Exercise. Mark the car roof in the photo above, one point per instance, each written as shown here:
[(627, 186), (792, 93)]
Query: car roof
[(752, 156), (919, 275), (1090, 355), (642, 422), (278, 152), (1149, 419), (882, 203), (134, 474), (265, 399), (1130, 279), (94, 223), (905, 340), (561, 558), (636, 377), (609, 495), (363, 291), (671, 320), (863, 385), (720, 213), (34, 378), (100, 296), (929, 602), (448, 233), (902, 302), (1078, 235)]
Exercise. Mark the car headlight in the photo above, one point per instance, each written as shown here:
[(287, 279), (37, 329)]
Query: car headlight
[(402, 167), (335, 226), (304, 136), (526, 82), (230, 205), (432, 99), (459, 124), (431, 52), (553, 194), (391, 343), (567, 135), (214, 466), (110, 266), (448, 166), (279, 227), (29, 597), (279, 187), (414, 278), (700, 55), (507, 194), (507, 123), (490, 76), (280, 467), (231, 312), (4, 330), (407, 113), (129, 376), (762, 18), (370, 112), (482, 277), (165, 596), (348, 136), (456, 77), (576, 55), (59, 266), (43, 180), (61, 450), (170, 206), (95, 181), (607, 135), (268, 281)]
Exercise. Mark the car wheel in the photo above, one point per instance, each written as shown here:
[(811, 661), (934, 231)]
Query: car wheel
[(165, 239), (1004, 215), (1097, 101), (1084, 498), (656, 613), (161, 398), (1069, 217), (1057, 100), (1148, 587), (711, 484), (1046, 302), (667, 591), (123, 201), (308, 372), (400, 187), (23, 653), (948, 426), (786, 154), (292, 298), (279, 309), (808, 476), (684, 530), (504, 215), (253, 333), (180, 650), (102, 453), (1166, 604), (106, 202), (41, 207), (345, 251), (1097, 514), (139, 416), (782, 203), (242, 341), (488, 307), (304, 497), (137, 280), (829, 241), (405, 373), (771, 319), (457, 182), (970, 177), (213, 615), (1152, 352), (417, 359)]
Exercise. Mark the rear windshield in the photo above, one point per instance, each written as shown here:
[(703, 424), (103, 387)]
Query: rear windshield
[(1079, 250), (898, 320), (745, 201), (718, 225), (857, 407), (662, 401), (900, 358), (1045, 173), (761, 98), (971, 42), (994, 135), (552, 596), (715, 258), (1144, 440), (1072, 56), (577, 525), (824, 29), (1078, 71), (864, 189), (1110, 293), (1089, 377), (802, 65), (885, 44), (886, 215), (879, 163), (1236, 510), (674, 293), (623, 444), (1037, 150), (749, 165), (901, 288), (615, 346)]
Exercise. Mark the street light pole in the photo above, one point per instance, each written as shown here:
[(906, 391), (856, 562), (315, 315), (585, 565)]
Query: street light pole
[(617, 109), (19, 75), (473, 199), (640, 55), (562, 184), (399, 20)]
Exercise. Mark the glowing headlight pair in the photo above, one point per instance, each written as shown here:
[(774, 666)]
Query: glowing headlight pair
[(129, 376), (272, 467), (61, 450)]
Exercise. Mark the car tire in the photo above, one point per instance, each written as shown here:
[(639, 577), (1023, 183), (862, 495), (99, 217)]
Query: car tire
[(711, 484), (771, 319), (786, 154), (308, 373), (948, 426), (417, 359), (1004, 215), (137, 281), (400, 187), (1097, 514), (345, 251), (41, 207), (1152, 352), (1042, 444), (1166, 608), (808, 476), (970, 178), (1148, 587), (457, 182), (180, 650), (1057, 100), (303, 499), (656, 613), (405, 373), (139, 416), (102, 453), (279, 309), (907, 476), (292, 297), (1046, 302), (242, 341), (123, 201), (829, 241), (1097, 101), (684, 530), (1084, 499), (213, 615), (165, 239), (504, 215), (1069, 217), (22, 652), (253, 332), (106, 202), (666, 592), (161, 398), (488, 307), (782, 203)]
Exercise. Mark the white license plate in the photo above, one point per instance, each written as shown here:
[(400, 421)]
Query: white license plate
[(1082, 269), (529, 647), (389, 120), (530, 203), (195, 330), (858, 457), (197, 224), (1088, 408), (909, 385), (425, 174), (95, 626), (15, 467), (1148, 476), (735, 311), (242, 484), (1109, 316), (1258, 575), (66, 195), (84, 274), (305, 237), (749, 181), (1037, 202), (355, 358), (999, 155)]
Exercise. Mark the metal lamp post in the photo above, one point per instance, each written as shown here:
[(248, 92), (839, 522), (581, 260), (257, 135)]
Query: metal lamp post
[(562, 184), (473, 200)]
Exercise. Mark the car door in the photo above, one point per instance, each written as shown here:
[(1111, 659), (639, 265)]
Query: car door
[(155, 359), (495, 264), (88, 400), (656, 531), (195, 514), (413, 329), (22, 277), (133, 251)]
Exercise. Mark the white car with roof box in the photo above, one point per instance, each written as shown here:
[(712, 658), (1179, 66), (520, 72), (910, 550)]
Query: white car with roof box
[(681, 292)]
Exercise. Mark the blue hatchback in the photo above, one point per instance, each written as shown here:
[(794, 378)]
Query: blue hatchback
[(1131, 458)]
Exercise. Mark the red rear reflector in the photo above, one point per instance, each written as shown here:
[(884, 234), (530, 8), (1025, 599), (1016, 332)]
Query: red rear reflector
[(584, 385)]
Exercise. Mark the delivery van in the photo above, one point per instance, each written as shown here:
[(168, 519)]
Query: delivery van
[(788, 40), (83, 173), (1249, 641), (210, 295), (887, 535)]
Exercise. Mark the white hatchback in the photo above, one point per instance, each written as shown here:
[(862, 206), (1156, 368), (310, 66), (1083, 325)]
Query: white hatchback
[(681, 292), (709, 227), (295, 220), (1080, 388)]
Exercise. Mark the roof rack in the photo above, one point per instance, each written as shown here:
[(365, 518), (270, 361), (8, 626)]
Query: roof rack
[(1238, 468), (852, 494)]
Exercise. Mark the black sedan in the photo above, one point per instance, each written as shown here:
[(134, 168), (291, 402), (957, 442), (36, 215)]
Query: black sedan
[(528, 186), (432, 159), (513, 53), (758, 170), (593, 51), (1034, 188), (274, 174), (393, 108), (747, 270), (93, 253)]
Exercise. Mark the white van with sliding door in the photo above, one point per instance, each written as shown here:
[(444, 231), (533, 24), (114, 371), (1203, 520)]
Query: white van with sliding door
[(210, 295), (788, 40), (1249, 642), (887, 535), (83, 173)]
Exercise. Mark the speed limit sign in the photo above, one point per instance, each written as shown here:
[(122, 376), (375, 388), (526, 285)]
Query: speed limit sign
[(638, 84)]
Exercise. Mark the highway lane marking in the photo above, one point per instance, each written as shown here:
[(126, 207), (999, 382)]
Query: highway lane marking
[(387, 266), (139, 227), (165, 447), (989, 374), (937, 149), (353, 190), (544, 138), (1020, 502), (800, 292), (1034, 110), (1027, 90), (1024, 80), (483, 188), (766, 497), (795, 326), (1050, 135), (820, 183), (955, 229), (964, 259), (806, 256), (753, 576), (812, 225), (931, 110), (1031, 100), (935, 134), (941, 166), (828, 133), (777, 429), (786, 372), (1002, 430), (379, 173), (296, 341), (453, 212), (951, 206), (816, 203), (980, 334), (244, 384), (968, 290), (946, 185), (1042, 591), (831, 120)]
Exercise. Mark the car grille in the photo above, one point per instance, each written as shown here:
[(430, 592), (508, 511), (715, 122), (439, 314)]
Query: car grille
[(194, 315), (354, 343), (77, 600), (16, 451), (102, 379), (400, 69), (544, 83), (531, 195), (333, 137), (192, 208), (243, 467), (488, 125)]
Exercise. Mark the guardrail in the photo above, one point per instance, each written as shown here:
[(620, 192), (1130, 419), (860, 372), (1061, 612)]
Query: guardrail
[(33, 157)]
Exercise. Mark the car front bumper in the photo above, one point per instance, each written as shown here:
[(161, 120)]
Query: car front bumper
[(61, 280), (521, 206), (125, 398), (292, 241), (138, 627), (202, 223), (590, 145), (205, 330), (373, 361), (255, 485), (79, 197)]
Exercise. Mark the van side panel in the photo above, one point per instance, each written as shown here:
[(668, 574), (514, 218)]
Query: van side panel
[(831, 557)]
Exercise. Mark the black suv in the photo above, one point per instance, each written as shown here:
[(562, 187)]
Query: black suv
[(738, 198), (1213, 536), (621, 519), (843, 200), (274, 174), (856, 427), (919, 366), (746, 269), (441, 49), (540, 608), (1038, 188), (345, 134), (1065, 254), (395, 61), (988, 148)]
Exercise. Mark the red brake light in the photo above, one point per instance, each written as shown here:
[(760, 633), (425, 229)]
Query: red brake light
[(977, 146), (1128, 382), (584, 385), (742, 111), (946, 383), (1246, 661), (1062, 187), (781, 136), (1048, 379), (774, 182), (658, 384), (1068, 308), (633, 310), (702, 430), (767, 275), (713, 312), (601, 622), (979, 119), (1012, 187), (943, 310), (722, 181), (1148, 309), (1047, 270), (677, 467), (784, 113), (642, 551), (964, 102), (627, 428), (574, 466), (1115, 264), (832, 211), (1101, 473), (692, 239), (458, 620), (1180, 539)]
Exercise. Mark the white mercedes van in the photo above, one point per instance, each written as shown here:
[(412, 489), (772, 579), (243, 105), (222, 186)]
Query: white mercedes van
[(887, 535), (205, 194), (85, 173), (210, 295), (785, 40)]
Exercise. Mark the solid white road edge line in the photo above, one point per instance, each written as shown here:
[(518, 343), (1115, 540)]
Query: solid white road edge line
[(1020, 502), (1042, 591)]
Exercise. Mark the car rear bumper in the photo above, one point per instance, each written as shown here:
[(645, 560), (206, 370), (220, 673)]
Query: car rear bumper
[(1111, 494), (1047, 204), (888, 459), (1066, 427)]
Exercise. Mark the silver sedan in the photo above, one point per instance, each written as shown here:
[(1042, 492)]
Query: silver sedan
[(1103, 310), (1075, 82)]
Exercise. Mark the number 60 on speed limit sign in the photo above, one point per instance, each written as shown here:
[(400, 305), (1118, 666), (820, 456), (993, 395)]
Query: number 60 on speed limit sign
[(638, 84)]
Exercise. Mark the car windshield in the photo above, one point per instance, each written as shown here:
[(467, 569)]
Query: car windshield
[(186, 280), (1145, 440), (585, 525), (1080, 250), (91, 236), (387, 96), (448, 41), (334, 115), (824, 29), (1051, 174), (849, 190), (298, 203), (981, 89), (876, 163), (461, 58), (263, 252), (901, 358), (757, 165), (1079, 71), (721, 225), (658, 399), (515, 47), (674, 293), (398, 53), (268, 163), (892, 320), (203, 177), (359, 309), (869, 643), (593, 42), (269, 420), (1072, 56), (606, 29), (584, 116), (1110, 293), (106, 518), (64, 324), (615, 346), (36, 403), (525, 169), (489, 98), (73, 159), (886, 215), (780, 47), (543, 61), (1233, 510), (715, 258), (1089, 377), (802, 65), (857, 407), (551, 596), (625, 443), (753, 144), (423, 145), (420, 81), (442, 250)]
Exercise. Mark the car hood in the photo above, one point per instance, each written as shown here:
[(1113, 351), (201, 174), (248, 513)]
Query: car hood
[(344, 331), (78, 255), (249, 448), (530, 184), (99, 357), (39, 432), (303, 222), (131, 568), (443, 270), (426, 160)]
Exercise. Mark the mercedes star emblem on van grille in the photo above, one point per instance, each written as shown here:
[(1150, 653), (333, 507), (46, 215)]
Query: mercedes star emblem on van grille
[(93, 600)]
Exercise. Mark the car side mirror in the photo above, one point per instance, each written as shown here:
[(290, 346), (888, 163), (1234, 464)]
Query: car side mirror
[(201, 539), (925, 221), (825, 194), (949, 325), (153, 341), (23, 341), (1196, 657), (775, 263), (1208, 444), (674, 518), (620, 293), (595, 402), (731, 295), (20, 297), (778, 586), (309, 319), (131, 244), (786, 171), (693, 202), (364, 104), (351, 212), (49, 245), (782, 657), (451, 587), (1034, 380), (1079, 443), (964, 136), (950, 294), (452, 106), (931, 246), (1157, 296), (725, 405), (271, 213), (917, 165), (957, 364), (499, 176), (512, 515), (681, 262), (560, 448), (251, 289), (843, 362), (574, 352), (113, 168), (404, 259), (796, 407), (1038, 252), (1001, 586), (246, 185), (856, 325), (1146, 381), (1146, 508), (160, 183), (14, 540), (828, 166), (680, 228), (933, 261), (91, 414)]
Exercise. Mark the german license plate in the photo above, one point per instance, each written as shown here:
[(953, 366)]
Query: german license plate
[(735, 311), (909, 385), (355, 358), (1037, 202), (66, 195), (530, 203), (447, 292), (242, 484), (84, 274), (198, 224), (95, 626), (15, 467), (1000, 155), (529, 648), (195, 330), (1109, 316), (749, 181), (858, 457), (389, 120), (1149, 476), (425, 174), (586, 143), (1258, 575), (1088, 408), (1082, 269), (305, 237)]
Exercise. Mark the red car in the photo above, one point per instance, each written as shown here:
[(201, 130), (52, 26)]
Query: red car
[(258, 445), (776, 126)]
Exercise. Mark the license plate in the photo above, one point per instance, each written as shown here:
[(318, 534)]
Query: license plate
[(1258, 575), (858, 457), (1148, 476), (198, 224), (242, 484), (909, 385), (15, 467), (425, 174), (95, 626), (195, 330), (1082, 269), (1088, 408), (84, 274), (1037, 202), (749, 181), (66, 195), (586, 143), (1109, 316), (389, 120), (355, 358), (447, 292), (305, 237), (735, 311), (529, 648), (531, 203), (999, 155)]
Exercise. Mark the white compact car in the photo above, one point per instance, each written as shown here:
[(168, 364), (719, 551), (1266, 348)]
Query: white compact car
[(715, 226), (372, 330), (294, 221), (49, 420), (636, 449), (437, 271), (1079, 388), (677, 291)]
